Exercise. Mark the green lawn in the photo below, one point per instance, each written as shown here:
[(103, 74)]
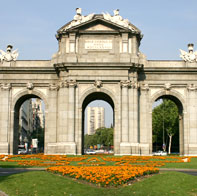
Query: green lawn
[(190, 165), (42, 183)]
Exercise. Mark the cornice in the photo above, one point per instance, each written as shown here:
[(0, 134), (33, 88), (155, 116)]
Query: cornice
[(33, 70)]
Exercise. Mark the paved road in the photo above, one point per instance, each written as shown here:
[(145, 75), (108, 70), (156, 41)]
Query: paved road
[(186, 171), (10, 171)]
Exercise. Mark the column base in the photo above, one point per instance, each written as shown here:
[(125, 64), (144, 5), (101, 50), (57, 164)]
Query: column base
[(64, 148), (4, 148), (192, 149), (127, 148), (144, 150)]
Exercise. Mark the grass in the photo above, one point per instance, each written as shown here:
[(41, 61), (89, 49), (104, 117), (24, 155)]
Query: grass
[(47, 184), (189, 165)]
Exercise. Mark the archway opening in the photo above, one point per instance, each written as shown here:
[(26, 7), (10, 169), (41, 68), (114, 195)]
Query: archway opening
[(98, 124), (167, 125), (29, 125)]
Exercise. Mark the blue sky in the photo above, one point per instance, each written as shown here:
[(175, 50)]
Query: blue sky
[(31, 25)]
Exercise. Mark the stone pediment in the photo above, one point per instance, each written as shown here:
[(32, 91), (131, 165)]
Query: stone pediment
[(99, 27), (99, 22)]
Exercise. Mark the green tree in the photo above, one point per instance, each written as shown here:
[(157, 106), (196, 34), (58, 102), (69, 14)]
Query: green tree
[(103, 136), (165, 118)]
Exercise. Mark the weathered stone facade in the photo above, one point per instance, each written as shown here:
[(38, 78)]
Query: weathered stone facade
[(98, 58)]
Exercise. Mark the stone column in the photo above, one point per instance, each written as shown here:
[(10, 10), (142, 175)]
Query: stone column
[(144, 137), (134, 45), (62, 112), (133, 117), (192, 110), (5, 139), (71, 111), (72, 40), (125, 146), (51, 120), (125, 111)]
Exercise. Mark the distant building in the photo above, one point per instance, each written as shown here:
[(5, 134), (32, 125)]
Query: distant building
[(95, 119), (38, 114), (25, 121)]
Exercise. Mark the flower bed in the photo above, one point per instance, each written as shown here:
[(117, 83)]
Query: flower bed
[(104, 175)]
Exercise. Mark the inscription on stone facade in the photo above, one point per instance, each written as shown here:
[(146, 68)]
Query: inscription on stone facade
[(98, 44)]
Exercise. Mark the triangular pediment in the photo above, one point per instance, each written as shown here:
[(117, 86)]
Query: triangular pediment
[(98, 23), (99, 27)]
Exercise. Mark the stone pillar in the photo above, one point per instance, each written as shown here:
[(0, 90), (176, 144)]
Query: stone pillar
[(125, 42), (134, 45), (51, 120), (62, 112), (145, 129), (192, 110), (125, 146), (71, 111), (69, 147), (133, 117), (72, 38), (5, 119)]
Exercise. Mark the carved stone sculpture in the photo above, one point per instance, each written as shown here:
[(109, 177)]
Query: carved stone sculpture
[(189, 56), (8, 56), (30, 86), (79, 18), (98, 84), (118, 19), (167, 86)]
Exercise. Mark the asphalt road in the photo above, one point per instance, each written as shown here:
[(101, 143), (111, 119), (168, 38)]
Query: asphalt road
[(10, 171), (186, 171)]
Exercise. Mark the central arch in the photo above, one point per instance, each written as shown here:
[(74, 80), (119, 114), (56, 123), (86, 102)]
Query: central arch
[(93, 96)]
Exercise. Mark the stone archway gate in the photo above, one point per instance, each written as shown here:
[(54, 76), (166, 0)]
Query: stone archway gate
[(98, 53)]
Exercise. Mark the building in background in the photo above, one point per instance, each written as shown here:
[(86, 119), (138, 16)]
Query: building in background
[(25, 121), (95, 119), (38, 114), (31, 119)]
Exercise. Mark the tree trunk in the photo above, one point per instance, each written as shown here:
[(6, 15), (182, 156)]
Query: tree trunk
[(170, 142)]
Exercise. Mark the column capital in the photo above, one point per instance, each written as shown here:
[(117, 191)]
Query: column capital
[(125, 83), (63, 84), (53, 87), (144, 87), (6, 86), (191, 87), (72, 83)]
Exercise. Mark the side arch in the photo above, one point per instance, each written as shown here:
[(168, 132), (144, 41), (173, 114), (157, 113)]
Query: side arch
[(17, 101), (29, 94), (173, 93), (179, 100)]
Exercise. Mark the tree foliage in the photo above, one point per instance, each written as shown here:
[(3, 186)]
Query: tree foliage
[(165, 118), (102, 136)]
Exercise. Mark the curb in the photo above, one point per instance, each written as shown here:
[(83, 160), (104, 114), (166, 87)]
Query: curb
[(177, 169)]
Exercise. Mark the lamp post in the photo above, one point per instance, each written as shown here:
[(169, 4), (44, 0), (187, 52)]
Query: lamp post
[(164, 145)]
